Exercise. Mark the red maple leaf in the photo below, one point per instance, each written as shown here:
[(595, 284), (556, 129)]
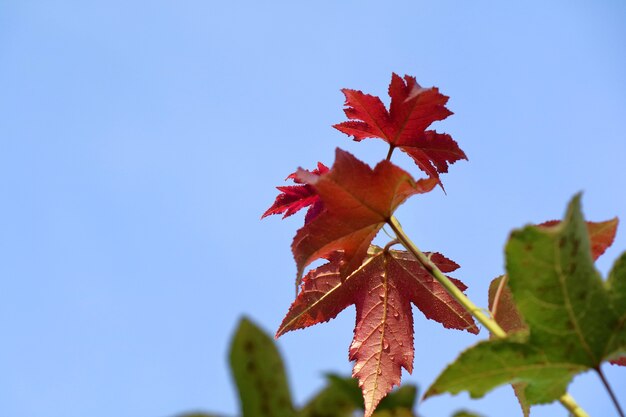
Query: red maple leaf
[(411, 111), (601, 234), (293, 198), (382, 290), (357, 201)]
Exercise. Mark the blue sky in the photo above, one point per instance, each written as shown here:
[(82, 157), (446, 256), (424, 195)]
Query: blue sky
[(141, 141)]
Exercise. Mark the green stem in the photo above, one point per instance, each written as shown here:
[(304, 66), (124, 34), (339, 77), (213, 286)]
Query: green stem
[(569, 403), (472, 308), (566, 400)]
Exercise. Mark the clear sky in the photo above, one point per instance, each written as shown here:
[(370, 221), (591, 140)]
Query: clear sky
[(140, 141)]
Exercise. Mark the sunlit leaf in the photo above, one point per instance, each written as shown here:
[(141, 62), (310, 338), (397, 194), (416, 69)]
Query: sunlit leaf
[(382, 290), (575, 320)]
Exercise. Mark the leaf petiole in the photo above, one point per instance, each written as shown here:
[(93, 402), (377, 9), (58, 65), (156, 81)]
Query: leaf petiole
[(390, 244), (391, 148), (608, 388), (472, 308)]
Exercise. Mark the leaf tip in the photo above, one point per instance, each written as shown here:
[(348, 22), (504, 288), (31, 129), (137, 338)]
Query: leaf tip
[(430, 392), (575, 204), (279, 333)]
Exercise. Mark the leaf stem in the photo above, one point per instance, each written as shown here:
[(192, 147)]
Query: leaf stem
[(606, 384), (391, 148), (390, 244), (566, 400), (472, 308)]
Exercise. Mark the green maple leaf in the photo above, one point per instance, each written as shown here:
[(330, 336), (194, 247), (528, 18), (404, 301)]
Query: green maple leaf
[(575, 320)]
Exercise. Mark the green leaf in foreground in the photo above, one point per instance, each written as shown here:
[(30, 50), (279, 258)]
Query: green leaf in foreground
[(342, 397), (263, 391), (259, 374), (502, 305), (464, 413), (575, 319), (197, 415)]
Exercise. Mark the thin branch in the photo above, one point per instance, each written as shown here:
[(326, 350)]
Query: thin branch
[(389, 235)]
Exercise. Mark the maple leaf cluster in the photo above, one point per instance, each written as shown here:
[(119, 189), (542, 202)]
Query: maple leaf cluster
[(347, 206), (549, 289)]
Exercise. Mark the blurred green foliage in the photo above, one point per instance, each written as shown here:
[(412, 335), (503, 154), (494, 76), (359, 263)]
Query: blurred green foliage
[(260, 377)]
